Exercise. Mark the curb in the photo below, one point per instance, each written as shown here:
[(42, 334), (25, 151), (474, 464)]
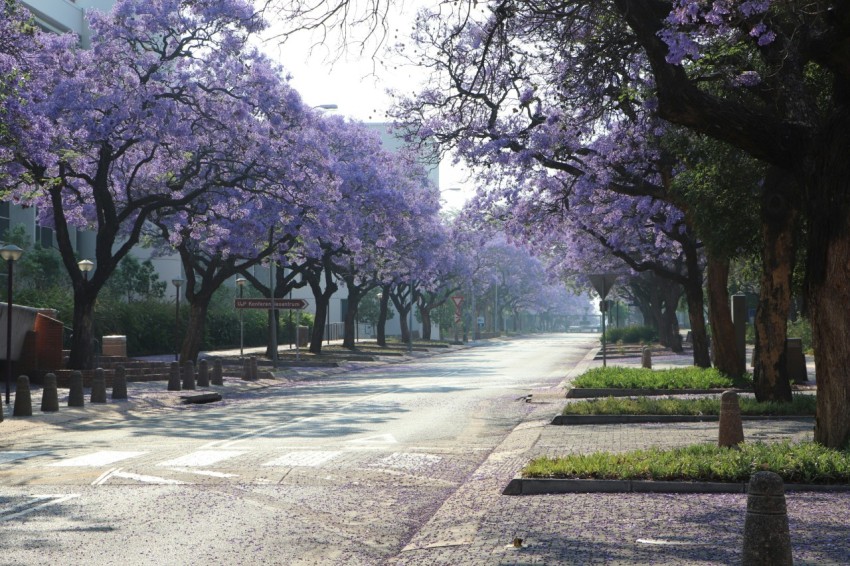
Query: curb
[(577, 420), (544, 486)]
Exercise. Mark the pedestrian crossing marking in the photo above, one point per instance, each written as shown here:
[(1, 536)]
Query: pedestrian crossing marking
[(377, 439), (97, 459), (307, 458), (201, 458)]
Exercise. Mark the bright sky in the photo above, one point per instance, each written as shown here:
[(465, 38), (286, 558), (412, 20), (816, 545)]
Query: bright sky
[(358, 85)]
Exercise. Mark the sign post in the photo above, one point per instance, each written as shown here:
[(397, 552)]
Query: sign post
[(603, 282)]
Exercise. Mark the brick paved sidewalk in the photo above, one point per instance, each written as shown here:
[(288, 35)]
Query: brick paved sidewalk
[(478, 524)]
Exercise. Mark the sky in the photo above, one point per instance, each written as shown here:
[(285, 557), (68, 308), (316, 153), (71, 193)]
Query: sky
[(358, 82)]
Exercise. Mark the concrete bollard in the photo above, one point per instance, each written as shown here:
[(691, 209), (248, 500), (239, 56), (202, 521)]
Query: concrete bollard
[(731, 430), (23, 398), (217, 373), (49, 394), (174, 377), (119, 384), (254, 374), (646, 358), (203, 374), (767, 540), (246, 369), (76, 398), (189, 375), (98, 387)]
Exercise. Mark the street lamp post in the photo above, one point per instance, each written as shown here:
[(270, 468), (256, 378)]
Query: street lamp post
[(241, 283), (85, 266), (11, 253), (177, 283), (410, 323)]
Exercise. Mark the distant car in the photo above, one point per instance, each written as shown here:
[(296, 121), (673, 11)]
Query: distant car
[(574, 329)]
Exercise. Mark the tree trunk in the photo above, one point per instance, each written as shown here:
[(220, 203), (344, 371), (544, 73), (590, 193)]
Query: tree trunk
[(319, 323), (350, 319), (425, 313), (726, 356), (272, 336), (779, 230), (828, 281), (82, 340), (382, 316), (191, 344), (696, 302)]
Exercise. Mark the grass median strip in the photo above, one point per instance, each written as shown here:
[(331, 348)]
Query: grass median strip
[(641, 378), (800, 405), (804, 462)]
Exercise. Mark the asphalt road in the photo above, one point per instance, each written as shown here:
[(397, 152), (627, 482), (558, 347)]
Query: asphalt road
[(342, 469)]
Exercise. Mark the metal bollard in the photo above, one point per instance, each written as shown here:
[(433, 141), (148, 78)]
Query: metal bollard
[(767, 540), (23, 398)]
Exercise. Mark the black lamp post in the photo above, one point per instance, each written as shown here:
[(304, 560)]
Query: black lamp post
[(241, 283), (11, 253), (177, 283)]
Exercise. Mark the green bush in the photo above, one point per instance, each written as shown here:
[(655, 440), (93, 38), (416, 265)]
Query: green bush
[(804, 462), (631, 335), (799, 405), (641, 378)]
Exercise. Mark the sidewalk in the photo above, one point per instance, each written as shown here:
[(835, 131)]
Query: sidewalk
[(478, 525)]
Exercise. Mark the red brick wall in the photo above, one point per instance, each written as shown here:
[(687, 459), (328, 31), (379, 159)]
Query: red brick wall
[(48, 343)]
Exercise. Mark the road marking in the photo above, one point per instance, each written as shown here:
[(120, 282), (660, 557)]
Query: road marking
[(38, 502), (205, 473), (147, 479), (377, 439), (229, 442), (12, 456), (307, 458), (408, 461), (103, 458), (101, 479), (201, 458)]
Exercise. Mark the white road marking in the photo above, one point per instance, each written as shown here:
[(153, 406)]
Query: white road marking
[(408, 461), (205, 473), (103, 458), (34, 505), (377, 439), (147, 479), (307, 458), (201, 458), (101, 479), (12, 456)]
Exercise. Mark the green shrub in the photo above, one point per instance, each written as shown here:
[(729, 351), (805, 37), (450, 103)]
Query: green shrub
[(631, 335), (804, 462), (641, 378), (799, 405)]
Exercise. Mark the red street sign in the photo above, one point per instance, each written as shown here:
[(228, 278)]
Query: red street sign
[(457, 300), (265, 303), (457, 318)]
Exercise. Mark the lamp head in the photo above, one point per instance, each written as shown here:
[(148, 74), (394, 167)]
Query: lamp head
[(11, 252)]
